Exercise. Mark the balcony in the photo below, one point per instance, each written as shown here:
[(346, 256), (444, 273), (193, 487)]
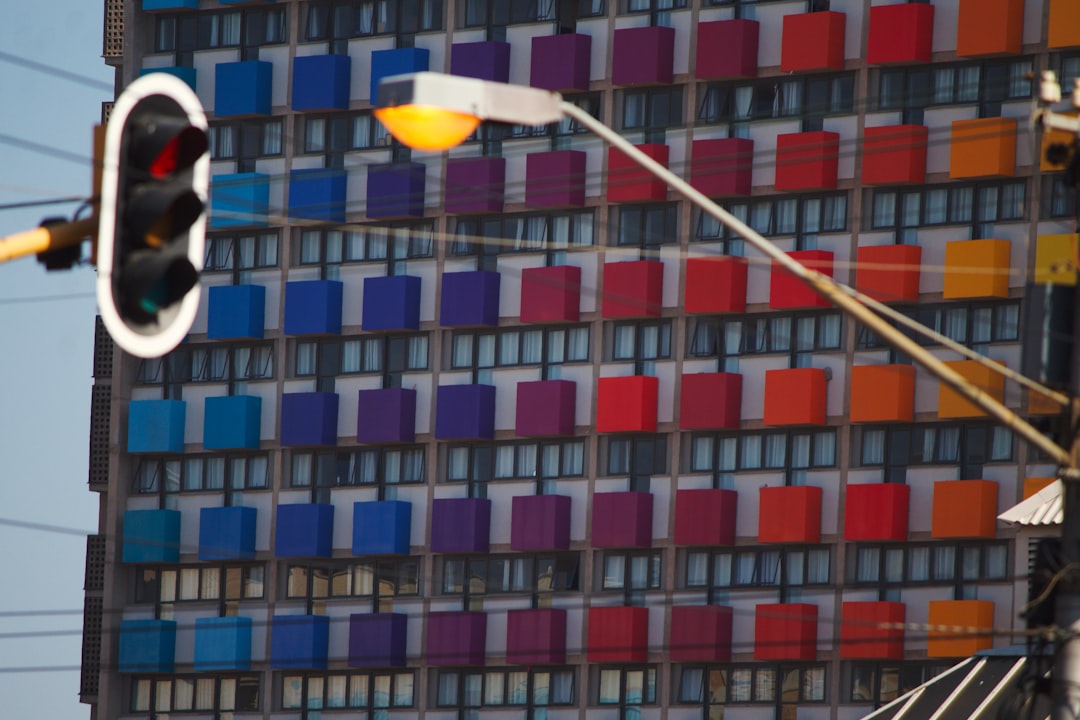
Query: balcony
[(232, 422), (701, 634), (309, 419), (876, 512), (786, 631), (236, 312), (470, 299), (895, 154), (795, 396), (984, 147), (882, 393), (381, 527), (990, 27), (789, 514), (396, 190), (964, 509), (627, 404), (900, 34), (156, 426), (460, 525), (643, 56), (889, 273), (545, 408), (536, 637), (705, 517), (321, 82), (561, 62), (715, 285), (807, 161), (386, 415), (540, 523), (627, 181), (710, 401), (727, 49), (227, 533), (812, 41), (465, 412), (304, 530), (862, 636), (622, 520), (555, 179), (456, 638), (151, 536), (787, 291), (972, 615), (551, 294), (976, 269), (391, 303), (953, 405), (618, 635), (475, 184), (299, 642), (633, 289), (378, 640)]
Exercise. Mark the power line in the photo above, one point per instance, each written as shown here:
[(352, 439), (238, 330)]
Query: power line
[(56, 72)]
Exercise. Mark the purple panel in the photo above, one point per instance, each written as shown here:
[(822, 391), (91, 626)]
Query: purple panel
[(475, 185), (643, 56), (465, 412), (309, 418), (456, 638), (395, 190), (386, 415), (377, 640), (470, 298), (555, 179), (487, 60), (622, 519), (540, 522), (460, 525), (536, 637), (561, 62), (546, 407)]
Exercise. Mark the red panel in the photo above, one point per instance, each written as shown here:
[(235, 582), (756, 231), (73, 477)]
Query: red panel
[(715, 285), (785, 631), (795, 396), (622, 519), (888, 273), (555, 179), (630, 182), (705, 517), (726, 49), (536, 637), (626, 404), (807, 160), (633, 289), (813, 41), (894, 154), (722, 166), (788, 291), (618, 634), (877, 511), (551, 294), (643, 56), (789, 514), (700, 633), (710, 400), (861, 636), (900, 33)]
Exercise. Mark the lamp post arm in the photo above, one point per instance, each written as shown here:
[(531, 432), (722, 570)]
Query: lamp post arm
[(827, 288)]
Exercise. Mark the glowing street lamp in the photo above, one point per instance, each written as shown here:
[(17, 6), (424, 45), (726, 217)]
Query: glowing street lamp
[(433, 111)]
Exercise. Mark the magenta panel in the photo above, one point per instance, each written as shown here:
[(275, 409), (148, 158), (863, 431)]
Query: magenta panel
[(475, 185), (723, 166), (536, 637), (540, 522), (643, 56), (456, 638), (555, 179), (546, 407), (622, 520), (561, 62)]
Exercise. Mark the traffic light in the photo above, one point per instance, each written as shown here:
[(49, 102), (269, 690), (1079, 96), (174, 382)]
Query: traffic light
[(151, 230)]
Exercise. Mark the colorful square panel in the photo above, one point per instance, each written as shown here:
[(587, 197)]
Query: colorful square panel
[(486, 60), (460, 525), (456, 638), (964, 509), (788, 291), (540, 522), (710, 401), (990, 27), (789, 514), (622, 519), (983, 147), (146, 646), (807, 160), (381, 527), (618, 635), (395, 61), (795, 396), (701, 634), (151, 536), (785, 631), (475, 184), (555, 179), (551, 294), (560, 62), (465, 412), (309, 419), (304, 530), (469, 298), (299, 642), (727, 49), (378, 639), (813, 41), (973, 615), (643, 56), (227, 533), (239, 200), (545, 408), (222, 644), (536, 637), (391, 302), (627, 404), (863, 635), (976, 269), (313, 307), (952, 404), (628, 181), (895, 154), (882, 393), (318, 194), (715, 285), (156, 426), (386, 415), (705, 516), (722, 167), (902, 33), (231, 422), (242, 88), (876, 512), (633, 289), (889, 273), (396, 190), (321, 82), (236, 312)]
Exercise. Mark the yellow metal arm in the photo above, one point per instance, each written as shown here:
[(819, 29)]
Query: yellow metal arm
[(43, 239)]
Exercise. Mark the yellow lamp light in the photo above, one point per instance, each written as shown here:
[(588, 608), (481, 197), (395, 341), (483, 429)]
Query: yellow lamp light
[(425, 127)]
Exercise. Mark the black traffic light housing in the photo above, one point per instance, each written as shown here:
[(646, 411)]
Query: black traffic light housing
[(151, 231)]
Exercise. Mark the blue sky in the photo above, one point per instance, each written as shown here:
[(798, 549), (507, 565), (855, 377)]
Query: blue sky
[(46, 357)]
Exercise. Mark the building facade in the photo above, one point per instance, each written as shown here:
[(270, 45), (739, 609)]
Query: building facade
[(513, 431)]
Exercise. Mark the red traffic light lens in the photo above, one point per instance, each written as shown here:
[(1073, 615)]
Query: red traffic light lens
[(181, 151)]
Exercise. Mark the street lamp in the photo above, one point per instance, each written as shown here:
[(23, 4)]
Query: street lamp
[(433, 111)]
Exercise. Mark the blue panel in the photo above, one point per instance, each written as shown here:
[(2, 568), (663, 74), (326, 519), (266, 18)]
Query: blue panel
[(232, 422), (237, 2), (151, 536), (465, 412), (381, 528), (236, 312), (396, 190), (239, 200), (147, 646), (309, 419), (313, 307), (242, 88), (156, 426), (392, 303), (299, 641), (227, 533), (317, 194), (187, 74), (222, 643), (321, 82), (397, 61), (469, 298), (170, 4), (304, 530)]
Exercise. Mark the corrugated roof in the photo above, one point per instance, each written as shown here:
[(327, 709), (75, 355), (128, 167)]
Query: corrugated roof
[(1044, 508)]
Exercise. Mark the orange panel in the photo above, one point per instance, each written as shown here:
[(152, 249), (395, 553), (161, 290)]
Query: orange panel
[(795, 397), (789, 514), (976, 269), (1034, 485), (985, 147), (1064, 23), (1039, 404), (882, 393), (952, 405), (990, 27), (968, 617), (889, 273), (964, 509)]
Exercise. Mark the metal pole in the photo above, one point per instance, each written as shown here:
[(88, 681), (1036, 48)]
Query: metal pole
[(43, 239), (831, 290)]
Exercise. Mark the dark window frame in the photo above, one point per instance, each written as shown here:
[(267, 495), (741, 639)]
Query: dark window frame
[(917, 88), (749, 688), (305, 685), (151, 473), (504, 676), (392, 244), (183, 34), (325, 359), (733, 452), (540, 576), (340, 21), (812, 98), (481, 463), (225, 253), (242, 685), (889, 567), (637, 457), (970, 445), (809, 216), (484, 351), (488, 236), (343, 467)]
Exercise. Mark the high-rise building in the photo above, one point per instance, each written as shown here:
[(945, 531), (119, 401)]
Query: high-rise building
[(513, 431)]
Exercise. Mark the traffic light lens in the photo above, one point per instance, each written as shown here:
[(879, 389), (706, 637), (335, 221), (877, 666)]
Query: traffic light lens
[(179, 152)]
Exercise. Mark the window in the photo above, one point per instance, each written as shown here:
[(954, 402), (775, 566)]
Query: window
[(810, 98), (772, 566), (631, 573), (199, 583), (208, 30), (648, 227), (393, 245), (562, 131), (245, 140), (627, 687), (730, 337), (391, 355), (641, 342), (652, 109), (216, 363), (542, 462), (637, 456), (554, 234), (979, 205), (343, 132), (377, 579), (202, 473), (896, 447), (355, 690), (369, 465), (988, 84), (791, 452), (804, 217), (475, 690), (1058, 199), (219, 694), (342, 20), (894, 567), (548, 348), (882, 682), (240, 253), (518, 573), (973, 324), (717, 686), (659, 10)]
